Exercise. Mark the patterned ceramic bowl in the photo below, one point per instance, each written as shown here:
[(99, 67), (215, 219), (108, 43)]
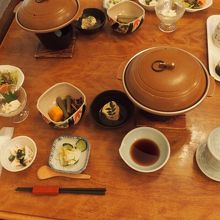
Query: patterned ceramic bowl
[(126, 16), (48, 100)]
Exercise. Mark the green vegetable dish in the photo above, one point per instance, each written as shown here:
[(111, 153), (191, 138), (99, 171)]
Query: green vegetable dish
[(70, 154), (7, 77)]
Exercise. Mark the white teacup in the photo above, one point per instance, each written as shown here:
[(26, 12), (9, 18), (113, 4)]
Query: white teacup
[(208, 155)]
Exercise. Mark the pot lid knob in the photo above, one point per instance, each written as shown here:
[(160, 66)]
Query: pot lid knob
[(160, 65)]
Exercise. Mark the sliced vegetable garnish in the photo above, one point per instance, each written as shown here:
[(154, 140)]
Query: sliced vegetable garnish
[(81, 145)]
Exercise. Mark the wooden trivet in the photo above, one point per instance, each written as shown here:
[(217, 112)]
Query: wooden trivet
[(42, 52)]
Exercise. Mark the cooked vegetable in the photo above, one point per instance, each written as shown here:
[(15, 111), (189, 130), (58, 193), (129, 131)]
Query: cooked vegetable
[(68, 104), (56, 113), (20, 156), (7, 77), (69, 154), (88, 22), (125, 18), (194, 3), (61, 104), (81, 145)]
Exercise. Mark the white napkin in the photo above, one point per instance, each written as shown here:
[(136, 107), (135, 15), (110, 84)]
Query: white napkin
[(6, 134)]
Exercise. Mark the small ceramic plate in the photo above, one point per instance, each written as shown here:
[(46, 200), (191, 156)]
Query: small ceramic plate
[(6, 153), (202, 162), (54, 161), (213, 51), (207, 4)]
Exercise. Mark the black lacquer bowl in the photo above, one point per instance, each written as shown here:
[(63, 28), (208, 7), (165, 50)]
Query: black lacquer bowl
[(125, 105), (100, 20)]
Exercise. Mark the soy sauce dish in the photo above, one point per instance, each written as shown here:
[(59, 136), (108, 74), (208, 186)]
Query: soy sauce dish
[(145, 149)]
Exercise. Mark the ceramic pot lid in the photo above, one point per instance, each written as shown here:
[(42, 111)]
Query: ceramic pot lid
[(42, 16), (165, 79)]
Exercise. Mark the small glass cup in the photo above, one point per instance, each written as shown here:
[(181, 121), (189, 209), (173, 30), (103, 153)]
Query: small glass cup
[(12, 104), (169, 12)]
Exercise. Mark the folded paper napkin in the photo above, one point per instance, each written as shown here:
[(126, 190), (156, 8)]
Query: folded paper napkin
[(6, 134)]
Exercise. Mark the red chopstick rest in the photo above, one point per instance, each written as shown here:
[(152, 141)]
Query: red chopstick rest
[(45, 190)]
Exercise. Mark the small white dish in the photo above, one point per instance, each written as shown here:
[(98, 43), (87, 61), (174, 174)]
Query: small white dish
[(150, 134), (54, 161), (17, 141), (203, 163), (213, 51), (15, 71), (109, 3), (207, 4), (208, 155), (149, 7)]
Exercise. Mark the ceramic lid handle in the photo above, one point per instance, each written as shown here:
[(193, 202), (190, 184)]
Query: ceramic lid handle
[(160, 65)]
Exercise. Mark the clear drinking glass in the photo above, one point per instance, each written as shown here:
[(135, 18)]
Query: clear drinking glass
[(169, 12), (13, 104)]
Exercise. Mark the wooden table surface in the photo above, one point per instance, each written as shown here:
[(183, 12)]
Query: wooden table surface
[(178, 191)]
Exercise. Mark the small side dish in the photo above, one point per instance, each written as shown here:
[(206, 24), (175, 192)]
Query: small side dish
[(213, 37), (64, 108), (109, 3), (194, 3), (10, 75), (111, 108), (88, 22), (69, 154), (197, 5), (8, 100), (148, 4), (125, 17), (91, 21), (62, 105), (18, 154)]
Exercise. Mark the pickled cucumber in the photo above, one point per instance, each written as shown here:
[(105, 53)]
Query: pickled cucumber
[(81, 145)]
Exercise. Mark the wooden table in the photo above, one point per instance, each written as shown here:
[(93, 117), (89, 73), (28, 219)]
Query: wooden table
[(178, 191)]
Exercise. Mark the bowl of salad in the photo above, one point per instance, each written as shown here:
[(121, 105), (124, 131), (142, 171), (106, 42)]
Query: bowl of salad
[(10, 75), (197, 5), (148, 4)]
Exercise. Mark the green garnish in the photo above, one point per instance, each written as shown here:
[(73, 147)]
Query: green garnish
[(9, 96)]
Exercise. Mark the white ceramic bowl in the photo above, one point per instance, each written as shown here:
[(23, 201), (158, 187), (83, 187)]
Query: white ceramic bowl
[(126, 8), (150, 134), (17, 141), (48, 99), (149, 7), (19, 75), (207, 4)]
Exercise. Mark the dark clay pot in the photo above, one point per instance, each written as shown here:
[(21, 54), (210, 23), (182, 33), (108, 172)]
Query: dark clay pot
[(57, 40)]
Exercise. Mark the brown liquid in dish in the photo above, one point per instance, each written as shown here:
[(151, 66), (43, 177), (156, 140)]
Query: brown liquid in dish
[(144, 152)]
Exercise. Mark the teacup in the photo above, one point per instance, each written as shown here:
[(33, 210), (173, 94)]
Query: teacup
[(208, 155)]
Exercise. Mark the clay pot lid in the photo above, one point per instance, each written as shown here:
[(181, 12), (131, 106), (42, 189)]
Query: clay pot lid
[(165, 79), (42, 16)]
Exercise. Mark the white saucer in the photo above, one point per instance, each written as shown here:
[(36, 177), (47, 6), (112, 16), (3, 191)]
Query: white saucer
[(203, 164)]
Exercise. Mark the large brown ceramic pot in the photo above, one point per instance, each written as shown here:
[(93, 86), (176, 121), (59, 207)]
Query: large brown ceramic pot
[(51, 20), (165, 80)]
